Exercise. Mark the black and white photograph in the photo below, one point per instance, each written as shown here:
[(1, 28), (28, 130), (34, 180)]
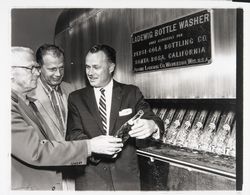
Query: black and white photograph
[(142, 97)]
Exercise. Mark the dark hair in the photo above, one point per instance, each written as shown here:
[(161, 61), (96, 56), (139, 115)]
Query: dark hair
[(48, 48), (109, 52)]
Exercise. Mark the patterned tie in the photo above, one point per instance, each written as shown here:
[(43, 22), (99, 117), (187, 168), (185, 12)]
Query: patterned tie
[(58, 108), (102, 109)]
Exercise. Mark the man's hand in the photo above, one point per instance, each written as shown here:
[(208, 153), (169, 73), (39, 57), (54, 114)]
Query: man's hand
[(143, 128), (105, 144)]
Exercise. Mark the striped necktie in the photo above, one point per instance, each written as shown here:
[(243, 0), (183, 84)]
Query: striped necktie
[(58, 108), (102, 109)]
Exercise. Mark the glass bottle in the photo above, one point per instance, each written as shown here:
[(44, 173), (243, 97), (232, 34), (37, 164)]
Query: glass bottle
[(192, 140), (218, 144), (207, 136), (167, 121), (126, 127), (185, 128), (231, 144), (174, 127), (162, 112)]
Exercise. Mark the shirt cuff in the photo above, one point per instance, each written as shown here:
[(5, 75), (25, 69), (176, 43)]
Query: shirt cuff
[(156, 135), (88, 147)]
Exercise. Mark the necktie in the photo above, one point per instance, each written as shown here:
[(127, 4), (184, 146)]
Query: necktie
[(58, 108), (39, 122), (102, 109)]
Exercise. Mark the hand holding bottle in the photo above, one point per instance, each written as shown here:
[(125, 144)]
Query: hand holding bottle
[(143, 128), (123, 132), (105, 144)]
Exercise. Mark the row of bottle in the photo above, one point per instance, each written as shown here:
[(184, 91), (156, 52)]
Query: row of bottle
[(213, 131)]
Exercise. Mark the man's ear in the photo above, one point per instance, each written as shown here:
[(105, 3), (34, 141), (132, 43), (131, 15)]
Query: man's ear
[(112, 67)]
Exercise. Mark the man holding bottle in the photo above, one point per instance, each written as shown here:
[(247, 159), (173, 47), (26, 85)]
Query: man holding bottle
[(101, 109)]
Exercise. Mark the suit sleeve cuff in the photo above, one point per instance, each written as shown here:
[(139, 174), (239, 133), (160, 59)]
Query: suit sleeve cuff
[(156, 134)]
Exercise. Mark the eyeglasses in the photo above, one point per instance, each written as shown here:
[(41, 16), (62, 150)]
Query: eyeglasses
[(32, 68)]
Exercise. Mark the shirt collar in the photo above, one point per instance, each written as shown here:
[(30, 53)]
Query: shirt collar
[(48, 87), (108, 87), (16, 96)]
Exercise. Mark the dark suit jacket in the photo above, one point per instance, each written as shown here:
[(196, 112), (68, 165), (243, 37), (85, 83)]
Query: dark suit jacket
[(121, 173)]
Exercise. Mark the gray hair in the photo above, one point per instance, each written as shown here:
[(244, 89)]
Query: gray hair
[(17, 54)]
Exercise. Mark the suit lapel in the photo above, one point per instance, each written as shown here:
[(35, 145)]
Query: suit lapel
[(66, 90), (54, 131), (45, 103), (115, 106), (29, 113), (90, 100), (42, 124), (65, 106)]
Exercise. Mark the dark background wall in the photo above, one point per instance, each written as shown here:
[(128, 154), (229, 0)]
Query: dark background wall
[(33, 27)]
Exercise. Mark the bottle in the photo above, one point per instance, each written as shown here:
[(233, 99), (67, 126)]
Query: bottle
[(162, 112), (174, 127), (192, 140), (208, 133), (126, 127), (218, 144), (185, 128), (167, 121), (231, 144)]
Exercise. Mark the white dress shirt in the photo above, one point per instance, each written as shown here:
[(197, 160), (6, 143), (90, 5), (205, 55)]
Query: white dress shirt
[(108, 96)]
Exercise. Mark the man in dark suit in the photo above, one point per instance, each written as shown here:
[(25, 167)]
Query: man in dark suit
[(101, 109), (36, 155)]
